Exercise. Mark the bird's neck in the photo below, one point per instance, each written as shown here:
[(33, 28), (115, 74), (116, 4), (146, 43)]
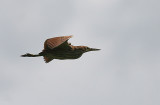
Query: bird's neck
[(78, 47)]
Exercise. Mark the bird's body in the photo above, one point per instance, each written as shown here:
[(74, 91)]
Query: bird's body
[(58, 53), (59, 48)]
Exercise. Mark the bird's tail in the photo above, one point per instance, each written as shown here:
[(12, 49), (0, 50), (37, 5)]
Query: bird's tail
[(30, 55)]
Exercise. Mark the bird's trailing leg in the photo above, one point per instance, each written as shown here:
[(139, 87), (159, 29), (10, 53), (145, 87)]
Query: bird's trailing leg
[(30, 55)]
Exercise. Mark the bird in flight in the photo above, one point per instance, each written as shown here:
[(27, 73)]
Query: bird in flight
[(60, 48)]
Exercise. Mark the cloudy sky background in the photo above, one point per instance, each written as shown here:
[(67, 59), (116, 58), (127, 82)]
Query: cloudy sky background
[(125, 72)]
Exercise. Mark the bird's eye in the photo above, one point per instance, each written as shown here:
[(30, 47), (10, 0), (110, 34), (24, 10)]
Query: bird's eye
[(87, 48)]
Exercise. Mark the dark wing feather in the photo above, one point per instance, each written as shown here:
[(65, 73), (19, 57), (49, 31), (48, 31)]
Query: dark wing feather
[(57, 42), (47, 59)]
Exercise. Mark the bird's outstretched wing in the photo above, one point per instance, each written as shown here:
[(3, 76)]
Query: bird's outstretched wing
[(57, 42)]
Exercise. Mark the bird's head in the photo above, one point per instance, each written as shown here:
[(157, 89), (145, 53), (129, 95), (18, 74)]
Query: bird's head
[(87, 49)]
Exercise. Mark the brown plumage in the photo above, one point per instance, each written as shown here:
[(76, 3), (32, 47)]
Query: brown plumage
[(59, 48)]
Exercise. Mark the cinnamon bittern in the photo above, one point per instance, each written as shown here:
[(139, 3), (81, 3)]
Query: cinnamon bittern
[(59, 48)]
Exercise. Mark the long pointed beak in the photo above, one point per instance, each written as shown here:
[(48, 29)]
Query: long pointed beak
[(93, 49)]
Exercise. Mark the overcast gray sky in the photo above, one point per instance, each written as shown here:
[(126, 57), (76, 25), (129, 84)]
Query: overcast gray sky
[(125, 72)]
